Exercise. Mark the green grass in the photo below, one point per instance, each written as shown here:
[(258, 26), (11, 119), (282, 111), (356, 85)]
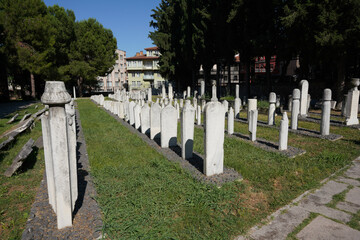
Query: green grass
[(3, 121), (340, 197), (17, 193), (292, 236), (143, 195)]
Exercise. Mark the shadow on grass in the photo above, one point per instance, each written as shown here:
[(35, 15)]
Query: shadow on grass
[(30, 161)]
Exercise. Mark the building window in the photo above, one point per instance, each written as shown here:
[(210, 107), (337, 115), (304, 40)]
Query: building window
[(121, 65), (116, 84), (137, 74), (133, 74), (109, 84), (121, 57)]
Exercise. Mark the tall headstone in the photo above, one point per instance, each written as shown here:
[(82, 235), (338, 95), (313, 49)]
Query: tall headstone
[(137, 111), (155, 113), (126, 110), (198, 117), (226, 105), (163, 91), (149, 94), (231, 121), (168, 125), (295, 108), (176, 105), (74, 92), (203, 103), (171, 93), (284, 131), (145, 119), (121, 110), (272, 108), (213, 92), (184, 94), (214, 123), (325, 113), (131, 113), (237, 104), (253, 124), (195, 94), (308, 104), (181, 103), (353, 103), (304, 86), (252, 105), (202, 88), (188, 92), (187, 131), (60, 165)]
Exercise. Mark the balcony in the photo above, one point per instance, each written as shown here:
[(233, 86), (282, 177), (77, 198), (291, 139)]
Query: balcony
[(148, 77)]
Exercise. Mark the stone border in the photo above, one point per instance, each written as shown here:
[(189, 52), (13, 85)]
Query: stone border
[(266, 145), (301, 131), (194, 166), (332, 122), (87, 218)]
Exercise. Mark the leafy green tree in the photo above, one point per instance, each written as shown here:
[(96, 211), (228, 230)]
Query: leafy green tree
[(92, 53)]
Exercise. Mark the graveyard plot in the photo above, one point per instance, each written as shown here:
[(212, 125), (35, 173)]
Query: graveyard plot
[(142, 194), (17, 193)]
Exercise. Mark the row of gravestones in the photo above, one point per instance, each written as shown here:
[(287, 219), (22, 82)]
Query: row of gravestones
[(59, 140)]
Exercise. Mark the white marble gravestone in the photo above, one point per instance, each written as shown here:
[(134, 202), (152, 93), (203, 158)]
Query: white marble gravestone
[(272, 108), (213, 92), (252, 105), (231, 121), (187, 131), (353, 103), (253, 124), (214, 124), (168, 123), (145, 119), (155, 113), (137, 111), (131, 113), (325, 113), (170, 90), (295, 107), (188, 92), (198, 117), (149, 94), (202, 88), (284, 131), (163, 91), (304, 86)]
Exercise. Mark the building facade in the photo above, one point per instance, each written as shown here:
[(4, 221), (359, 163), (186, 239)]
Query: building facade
[(143, 70), (118, 77)]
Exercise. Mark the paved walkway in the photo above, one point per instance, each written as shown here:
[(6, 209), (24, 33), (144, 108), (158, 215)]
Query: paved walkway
[(327, 218)]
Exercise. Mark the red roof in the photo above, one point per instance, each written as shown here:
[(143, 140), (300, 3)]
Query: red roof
[(151, 48), (142, 57)]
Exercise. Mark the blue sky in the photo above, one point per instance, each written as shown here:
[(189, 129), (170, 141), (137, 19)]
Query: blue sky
[(128, 20)]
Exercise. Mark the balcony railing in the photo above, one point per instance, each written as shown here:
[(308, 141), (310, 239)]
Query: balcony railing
[(147, 77)]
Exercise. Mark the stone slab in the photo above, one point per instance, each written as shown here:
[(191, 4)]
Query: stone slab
[(282, 225), (327, 191), (329, 212), (350, 181), (353, 171), (353, 196), (349, 207), (323, 228)]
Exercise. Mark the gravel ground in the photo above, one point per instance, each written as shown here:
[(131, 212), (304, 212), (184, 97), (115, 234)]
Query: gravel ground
[(194, 166), (302, 131), (87, 223)]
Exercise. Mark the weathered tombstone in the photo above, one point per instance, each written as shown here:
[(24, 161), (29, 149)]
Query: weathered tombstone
[(272, 108), (308, 104), (149, 94), (187, 131), (252, 105), (145, 119), (203, 103), (59, 169), (13, 118), (137, 111), (253, 124), (202, 88), (226, 105), (237, 104), (295, 108), (231, 121), (188, 92), (176, 105), (213, 92), (353, 103), (195, 94), (214, 123), (184, 94), (121, 110), (25, 117), (163, 91), (304, 86), (284, 131), (155, 113), (170, 89), (74, 92), (325, 112), (20, 158), (131, 113), (126, 110), (168, 125), (166, 101), (181, 103)]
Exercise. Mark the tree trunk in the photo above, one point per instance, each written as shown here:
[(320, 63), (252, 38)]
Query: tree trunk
[(340, 80), (247, 77), (80, 86), (229, 80), (268, 73), (4, 87), (32, 82)]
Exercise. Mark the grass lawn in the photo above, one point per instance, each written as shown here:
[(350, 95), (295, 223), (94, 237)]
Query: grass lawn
[(18, 192), (143, 195)]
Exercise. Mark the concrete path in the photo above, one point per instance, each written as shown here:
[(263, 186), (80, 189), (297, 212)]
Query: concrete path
[(317, 214)]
